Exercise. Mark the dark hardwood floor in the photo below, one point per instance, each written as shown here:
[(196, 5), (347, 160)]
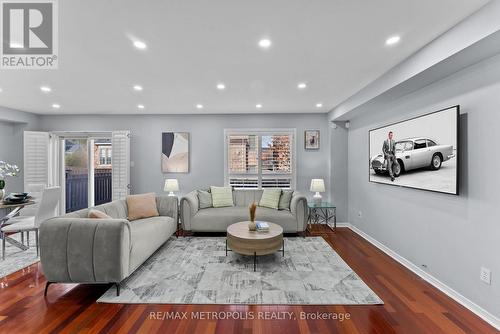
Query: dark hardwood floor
[(411, 305)]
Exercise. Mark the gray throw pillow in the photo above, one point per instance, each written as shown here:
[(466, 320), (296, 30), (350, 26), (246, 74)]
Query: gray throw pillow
[(285, 199), (204, 199)]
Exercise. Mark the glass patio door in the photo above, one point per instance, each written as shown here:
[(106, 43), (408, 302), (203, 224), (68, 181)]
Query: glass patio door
[(76, 174), (87, 172), (102, 170)]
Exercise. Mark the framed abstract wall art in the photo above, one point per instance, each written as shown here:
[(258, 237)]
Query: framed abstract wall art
[(175, 152)]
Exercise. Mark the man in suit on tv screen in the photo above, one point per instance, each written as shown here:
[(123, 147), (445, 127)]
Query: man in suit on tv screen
[(389, 150)]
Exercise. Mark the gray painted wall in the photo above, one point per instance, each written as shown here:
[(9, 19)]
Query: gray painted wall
[(339, 170), (207, 144), (12, 125), (7, 130), (452, 235)]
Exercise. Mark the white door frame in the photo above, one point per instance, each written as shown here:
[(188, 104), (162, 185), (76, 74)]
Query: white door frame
[(90, 137)]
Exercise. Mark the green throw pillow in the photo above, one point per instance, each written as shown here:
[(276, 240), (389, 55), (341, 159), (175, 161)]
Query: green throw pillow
[(285, 199), (222, 196), (270, 198), (204, 199)]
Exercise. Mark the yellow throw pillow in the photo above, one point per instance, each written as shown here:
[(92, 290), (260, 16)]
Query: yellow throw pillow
[(96, 214), (142, 206)]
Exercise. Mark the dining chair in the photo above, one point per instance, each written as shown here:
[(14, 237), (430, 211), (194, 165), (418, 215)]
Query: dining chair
[(35, 190), (47, 209)]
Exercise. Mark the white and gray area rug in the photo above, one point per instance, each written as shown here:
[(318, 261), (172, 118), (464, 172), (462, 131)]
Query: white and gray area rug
[(195, 270), (15, 258)]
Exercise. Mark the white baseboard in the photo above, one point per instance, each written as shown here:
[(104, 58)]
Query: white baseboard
[(473, 307)]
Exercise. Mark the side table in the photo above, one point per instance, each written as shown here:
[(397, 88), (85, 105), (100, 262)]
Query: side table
[(323, 213)]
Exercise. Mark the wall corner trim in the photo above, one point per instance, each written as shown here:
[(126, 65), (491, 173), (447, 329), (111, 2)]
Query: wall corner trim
[(467, 303)]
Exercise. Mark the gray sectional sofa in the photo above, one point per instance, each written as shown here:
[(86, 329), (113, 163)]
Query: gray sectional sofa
[(212, 219), (77, 249)]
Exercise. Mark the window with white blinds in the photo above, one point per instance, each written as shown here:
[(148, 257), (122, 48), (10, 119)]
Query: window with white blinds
[(260, 159)]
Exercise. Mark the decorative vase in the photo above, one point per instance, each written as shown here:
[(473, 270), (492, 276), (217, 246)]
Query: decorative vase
[(252, 226)]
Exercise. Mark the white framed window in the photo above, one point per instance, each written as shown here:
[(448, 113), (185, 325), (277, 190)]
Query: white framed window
[(105, 155), (263, 158)]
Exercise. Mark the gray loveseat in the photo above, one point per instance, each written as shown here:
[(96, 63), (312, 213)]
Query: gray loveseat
[(212, 219), (77, 249)]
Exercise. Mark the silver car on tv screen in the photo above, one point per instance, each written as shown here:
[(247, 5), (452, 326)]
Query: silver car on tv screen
[(414, 153)]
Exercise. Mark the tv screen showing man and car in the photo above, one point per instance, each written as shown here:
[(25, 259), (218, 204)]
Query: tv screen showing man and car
[(418, 153)]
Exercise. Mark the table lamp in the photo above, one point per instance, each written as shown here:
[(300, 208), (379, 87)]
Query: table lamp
[(171, 185), (318, 186)]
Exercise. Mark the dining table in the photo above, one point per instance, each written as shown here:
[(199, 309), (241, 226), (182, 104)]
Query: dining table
[(13, 210)]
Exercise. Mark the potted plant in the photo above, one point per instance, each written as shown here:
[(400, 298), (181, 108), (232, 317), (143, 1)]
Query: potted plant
[(6, 170)]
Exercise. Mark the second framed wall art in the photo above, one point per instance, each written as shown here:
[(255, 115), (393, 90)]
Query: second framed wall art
[(311, 139)]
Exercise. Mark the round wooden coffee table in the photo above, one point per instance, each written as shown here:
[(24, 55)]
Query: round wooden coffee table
[(245, 242)]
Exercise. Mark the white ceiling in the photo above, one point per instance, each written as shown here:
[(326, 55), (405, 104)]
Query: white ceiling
[(335, 46)]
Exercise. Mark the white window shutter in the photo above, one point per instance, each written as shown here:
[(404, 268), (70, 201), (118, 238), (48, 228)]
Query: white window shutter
[(36, 158), (55, 156), (120, 161)]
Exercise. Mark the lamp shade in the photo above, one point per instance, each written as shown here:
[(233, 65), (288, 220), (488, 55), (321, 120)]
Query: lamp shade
[(171, 185), (318, 185)]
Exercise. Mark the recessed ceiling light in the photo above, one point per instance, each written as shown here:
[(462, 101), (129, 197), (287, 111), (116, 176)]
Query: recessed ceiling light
[(258, 106), (45, 89), (138, 88), (265, 43), (319, 105), (56, 106), (1, 90), (392, 40), (221, 86), (140, 45), (199, 106), (301, 85), (140, 106)]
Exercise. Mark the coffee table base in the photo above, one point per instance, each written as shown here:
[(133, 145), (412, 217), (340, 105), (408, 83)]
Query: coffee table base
[(282, 250)]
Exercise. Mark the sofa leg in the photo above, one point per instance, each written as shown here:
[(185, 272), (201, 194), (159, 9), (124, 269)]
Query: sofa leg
[(47, 288), (117, 288)]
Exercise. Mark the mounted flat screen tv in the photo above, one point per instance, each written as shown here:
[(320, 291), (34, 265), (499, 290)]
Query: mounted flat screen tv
[(422, 152)]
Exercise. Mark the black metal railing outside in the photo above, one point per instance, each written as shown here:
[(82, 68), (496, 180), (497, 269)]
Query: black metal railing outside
[(77, 189), (102, 186)]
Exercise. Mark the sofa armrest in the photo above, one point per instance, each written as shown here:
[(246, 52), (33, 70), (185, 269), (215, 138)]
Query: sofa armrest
[(85, 250), (299, 209), (189, 207), (168, 206)]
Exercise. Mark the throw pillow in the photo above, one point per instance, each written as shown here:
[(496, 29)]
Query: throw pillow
[(204, 199), (142, 206), (285, 199), (270, 198), (222, 196), (97, 214)]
